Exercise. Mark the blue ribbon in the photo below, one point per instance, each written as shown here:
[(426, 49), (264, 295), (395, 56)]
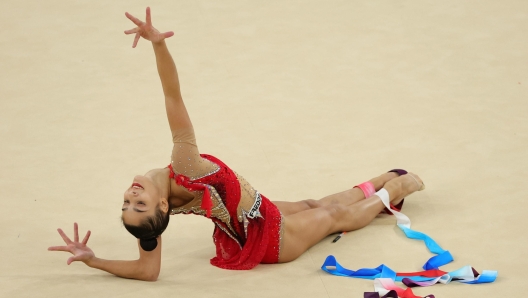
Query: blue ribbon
[(382, 271), (442, 258)]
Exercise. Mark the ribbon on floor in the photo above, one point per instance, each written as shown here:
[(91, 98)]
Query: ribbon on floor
[(384, 277)]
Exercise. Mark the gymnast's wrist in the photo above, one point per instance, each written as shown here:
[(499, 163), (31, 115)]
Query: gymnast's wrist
[(158, 43), (91, 261)]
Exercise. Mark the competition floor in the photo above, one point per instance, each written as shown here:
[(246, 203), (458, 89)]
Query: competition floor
[(302, 98)]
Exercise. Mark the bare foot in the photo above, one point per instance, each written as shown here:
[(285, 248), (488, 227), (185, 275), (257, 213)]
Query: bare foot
[(403, 186)]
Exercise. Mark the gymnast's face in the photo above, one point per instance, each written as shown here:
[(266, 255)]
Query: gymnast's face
[(140, 200)]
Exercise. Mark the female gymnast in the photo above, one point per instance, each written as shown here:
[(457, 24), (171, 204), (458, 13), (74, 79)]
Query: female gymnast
[(249, 228)]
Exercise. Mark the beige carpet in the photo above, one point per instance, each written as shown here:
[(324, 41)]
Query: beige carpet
[(303, 98)]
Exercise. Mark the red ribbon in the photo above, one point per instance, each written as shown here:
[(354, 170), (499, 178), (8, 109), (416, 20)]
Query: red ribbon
[(426, 273)]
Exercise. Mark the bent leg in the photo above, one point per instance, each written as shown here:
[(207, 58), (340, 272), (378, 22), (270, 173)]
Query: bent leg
[(304, 229), (347, 197)]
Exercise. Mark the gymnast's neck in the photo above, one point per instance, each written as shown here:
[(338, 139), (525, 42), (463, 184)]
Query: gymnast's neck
[(176, 195)]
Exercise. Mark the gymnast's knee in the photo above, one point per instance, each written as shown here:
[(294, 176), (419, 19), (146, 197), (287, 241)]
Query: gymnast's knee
[(312, 204), (336, 211)]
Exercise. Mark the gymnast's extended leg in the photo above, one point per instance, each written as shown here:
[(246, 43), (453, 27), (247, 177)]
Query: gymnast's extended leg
[(347, 197), (304, 229)]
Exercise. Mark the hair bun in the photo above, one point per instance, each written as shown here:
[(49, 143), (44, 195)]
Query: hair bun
[(148, 244)]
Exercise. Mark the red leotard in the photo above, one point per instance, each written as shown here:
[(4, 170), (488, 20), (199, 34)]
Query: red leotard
[(242, 240)]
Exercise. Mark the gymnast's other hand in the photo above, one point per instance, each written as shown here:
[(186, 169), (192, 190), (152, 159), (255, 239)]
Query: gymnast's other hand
[(80, 251), (146, 30)]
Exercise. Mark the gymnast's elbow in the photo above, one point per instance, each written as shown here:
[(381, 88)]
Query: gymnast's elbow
[(150, 276), (143, 274)]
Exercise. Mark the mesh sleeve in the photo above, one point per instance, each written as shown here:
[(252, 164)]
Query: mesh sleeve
[(186, 159)]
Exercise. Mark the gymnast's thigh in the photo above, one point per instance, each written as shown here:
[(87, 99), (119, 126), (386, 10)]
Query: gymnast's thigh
[(304, 229), (289, 208)]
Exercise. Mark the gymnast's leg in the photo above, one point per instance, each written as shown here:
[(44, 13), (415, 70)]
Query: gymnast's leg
[(347, 197), (304, 229)]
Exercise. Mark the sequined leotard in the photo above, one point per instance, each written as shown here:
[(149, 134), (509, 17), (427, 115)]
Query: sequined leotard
[(248, 226)]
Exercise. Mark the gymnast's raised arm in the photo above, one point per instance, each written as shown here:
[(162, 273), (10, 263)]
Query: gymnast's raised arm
[(147, 267), (176, 111)]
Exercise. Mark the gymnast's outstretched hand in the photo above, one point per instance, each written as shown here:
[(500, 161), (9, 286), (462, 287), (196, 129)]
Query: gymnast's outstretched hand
[(146, 30), (80, 251)]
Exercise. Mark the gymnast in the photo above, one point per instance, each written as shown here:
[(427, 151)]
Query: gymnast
[(249, 228)]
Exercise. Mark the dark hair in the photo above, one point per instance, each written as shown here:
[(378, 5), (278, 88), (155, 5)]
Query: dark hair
[(150, 229)]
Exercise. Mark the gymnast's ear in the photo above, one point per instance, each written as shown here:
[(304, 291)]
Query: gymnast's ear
[(164, 205)]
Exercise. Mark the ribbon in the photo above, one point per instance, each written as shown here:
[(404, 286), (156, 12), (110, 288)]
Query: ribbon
[(384, 277), (331, 266), (390, 294), (386, 285)]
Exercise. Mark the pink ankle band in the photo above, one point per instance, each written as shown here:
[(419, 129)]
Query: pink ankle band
[(367, 188)]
